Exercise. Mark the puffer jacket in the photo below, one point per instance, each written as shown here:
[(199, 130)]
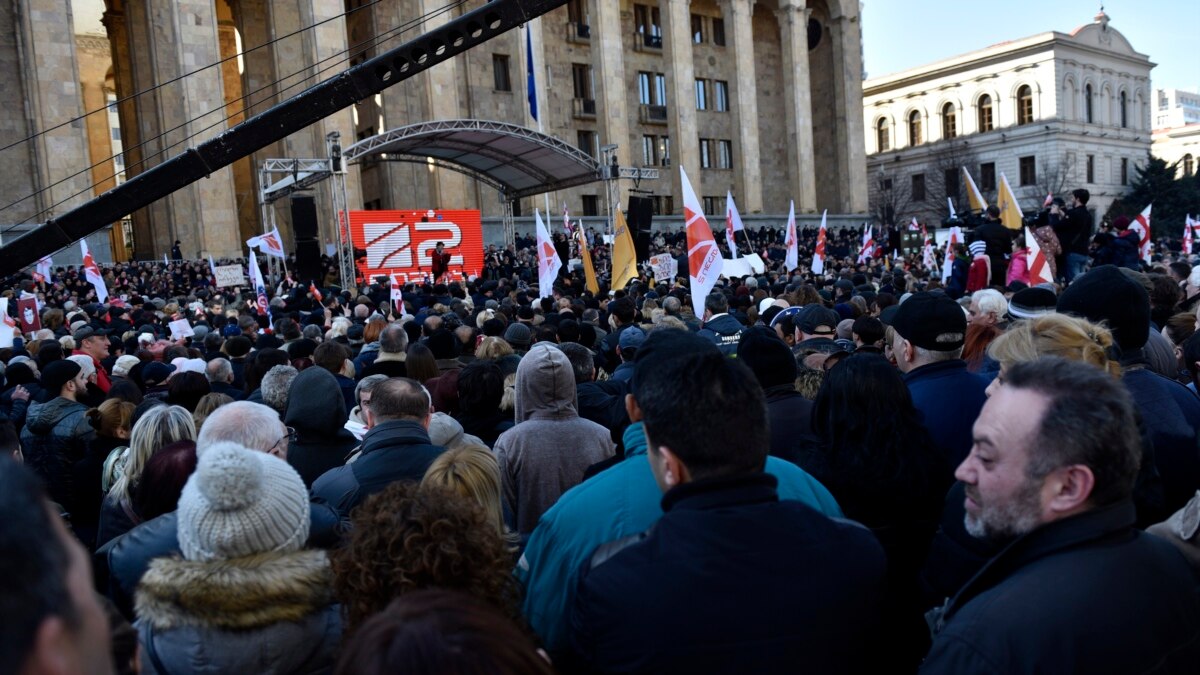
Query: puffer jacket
[(270, 613), (55, 436)]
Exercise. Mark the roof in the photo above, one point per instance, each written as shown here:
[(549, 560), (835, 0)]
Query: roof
[(515, 160)]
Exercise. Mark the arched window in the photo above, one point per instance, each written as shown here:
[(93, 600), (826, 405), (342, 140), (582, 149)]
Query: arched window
[(1024, 104), (883, 135), (949, 121), (1087, 104), (1124, 109), (1189, 166), (914, 128), (985, 113)]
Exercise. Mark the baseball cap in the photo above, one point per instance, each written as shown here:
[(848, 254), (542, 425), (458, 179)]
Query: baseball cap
[(931, 321), (816, 319), (631, 338), (86, 332)]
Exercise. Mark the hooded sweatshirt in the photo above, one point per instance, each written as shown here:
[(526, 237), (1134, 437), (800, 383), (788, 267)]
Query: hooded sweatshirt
[(317, 411), (551, 446)]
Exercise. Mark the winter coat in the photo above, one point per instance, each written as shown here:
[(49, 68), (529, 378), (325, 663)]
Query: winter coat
[(116, 518), (229, 390), (998, 239), (713, 587), (979, 274), (1171, 414), (1086, 594), (270, 613), (789, 416), (619, 502), (392, 365), (551, 446), (366, 357), (724, 331), (950, 398), (1018, 268), (604, 403), (1074, 230), (392, 451), (317, 416), (55, 436)]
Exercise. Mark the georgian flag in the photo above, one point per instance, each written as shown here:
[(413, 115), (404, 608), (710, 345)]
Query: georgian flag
[(704, 258), (92, 272), (818, 263), (948, 261), (397, 294), (1141, 225), (1039, 268), (270, 243), (868, 245), (548, 261), (41, 273), (1049, 200), (914, 226), (792, 261), (733, 223)]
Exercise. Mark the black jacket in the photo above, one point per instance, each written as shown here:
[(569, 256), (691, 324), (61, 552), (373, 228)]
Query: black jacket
[(1087, 594), (725, 332), (235, 393), (392, 451), (998, 239), (1171, 414), (1074, 230), (789, 416), (716, 586), (322, 442)]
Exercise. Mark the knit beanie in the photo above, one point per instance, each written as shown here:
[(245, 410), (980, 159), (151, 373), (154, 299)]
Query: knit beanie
[(240, 502), (767, 356), (1106, 294)]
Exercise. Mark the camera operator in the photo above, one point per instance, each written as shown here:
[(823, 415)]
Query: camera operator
[(1074, 230)]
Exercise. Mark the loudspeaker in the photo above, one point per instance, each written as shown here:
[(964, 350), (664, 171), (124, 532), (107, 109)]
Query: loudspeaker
[(639, 216), (308, 261), (304, 217)]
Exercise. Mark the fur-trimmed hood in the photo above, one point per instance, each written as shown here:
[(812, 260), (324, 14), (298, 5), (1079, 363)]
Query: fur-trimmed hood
[(238, 594)]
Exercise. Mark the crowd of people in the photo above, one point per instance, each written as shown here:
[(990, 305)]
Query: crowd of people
[(864, 470)]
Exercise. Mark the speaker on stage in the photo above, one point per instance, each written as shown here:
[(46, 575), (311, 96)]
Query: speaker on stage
[(308, 245), (304, 217), (639, 216)]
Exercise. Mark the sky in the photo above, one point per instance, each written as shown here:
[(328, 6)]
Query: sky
[(901, 34)]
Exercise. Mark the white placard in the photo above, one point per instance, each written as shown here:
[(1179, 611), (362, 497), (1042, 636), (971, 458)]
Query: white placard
[(230, 275), (180, 328), (665, 267)]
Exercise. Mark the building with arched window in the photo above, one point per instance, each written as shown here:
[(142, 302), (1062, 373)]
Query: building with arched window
[(1177, 128), (1051, 112)]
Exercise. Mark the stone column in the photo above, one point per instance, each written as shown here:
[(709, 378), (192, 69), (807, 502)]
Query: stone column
[(406, 185), (793, 36), (744, 105), (847, 79), (441, 82), (681, 78), (608, 61)]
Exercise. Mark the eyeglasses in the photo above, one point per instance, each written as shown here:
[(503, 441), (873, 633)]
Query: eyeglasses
[(290, 437)]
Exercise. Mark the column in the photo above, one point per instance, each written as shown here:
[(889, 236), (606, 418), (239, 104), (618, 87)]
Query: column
[(852, 152), (449, 188), (793, 36), (681, 82), (608, 62), (744, 103)]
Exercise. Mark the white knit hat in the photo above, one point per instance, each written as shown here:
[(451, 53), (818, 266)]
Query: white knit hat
[(240, 502)]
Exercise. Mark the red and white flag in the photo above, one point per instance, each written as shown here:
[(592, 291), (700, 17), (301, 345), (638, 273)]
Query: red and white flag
[(41, 273), (260, 287), (948, 262), (704, 258), (914, 226), (927, 249), (733, 223), (818, 264), (548, 261), (1049, 200), (92, 272), (1141, 225), (792, 260), (1039, 268), (868, 245), (312, 288), (270, 243), (566, 220), (397, 294)]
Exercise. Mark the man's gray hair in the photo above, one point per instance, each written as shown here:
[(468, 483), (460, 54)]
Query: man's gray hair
[(365, 386), (931, 356), (275, 387), (672, 306), (219, 370), (582, 362), (394, 339), (313, 332), (990, 301), (251, 425)]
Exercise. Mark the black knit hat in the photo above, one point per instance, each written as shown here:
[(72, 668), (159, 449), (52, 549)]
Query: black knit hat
[(1031, 302), (661, 346), (931, 321), (58, 373), (767, 356), (1106, 294)]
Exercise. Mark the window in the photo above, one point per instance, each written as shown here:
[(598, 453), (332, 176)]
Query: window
[(500, 79), (949, 121), (724, 154), (714, 205), (883, 138), (720, 96), (918, 187), (950, 179), (697, 29), (1028, 170), (648, 25), (987, 176), (914, 128), (985, 113), (1189, 166), (706, 153), (701, 94), (718, 32), (587, 141), (1091, 168), (660, 89), (577, 12), (591, 205), (662, 205), (664, 150), (1124, 171), (581, 77), (373, 205), (1087, 104), (116, 133), (1124, 117), (645, 92), (1024, 104), (649, 151)]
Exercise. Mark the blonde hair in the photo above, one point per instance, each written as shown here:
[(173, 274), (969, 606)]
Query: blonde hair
[(111, 416), (470, 471), (492, 347), (158, 427), (1059, 335), (207, 404)]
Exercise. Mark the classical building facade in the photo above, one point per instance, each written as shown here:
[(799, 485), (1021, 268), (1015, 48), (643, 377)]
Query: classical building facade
[(1177, 129), (1052, 112), (750, 96)]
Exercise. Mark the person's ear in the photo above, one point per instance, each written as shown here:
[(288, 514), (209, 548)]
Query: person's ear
[(632, 409), (673, 471), (52, 648), (1068, 488)]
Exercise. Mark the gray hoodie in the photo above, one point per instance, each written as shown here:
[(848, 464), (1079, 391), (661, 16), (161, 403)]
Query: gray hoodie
[(551, 446)]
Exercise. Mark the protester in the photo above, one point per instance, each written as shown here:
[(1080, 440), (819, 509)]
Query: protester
[(57, 432), (317, 412)]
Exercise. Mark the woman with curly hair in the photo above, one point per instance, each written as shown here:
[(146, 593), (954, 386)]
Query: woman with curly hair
[(409, 538)]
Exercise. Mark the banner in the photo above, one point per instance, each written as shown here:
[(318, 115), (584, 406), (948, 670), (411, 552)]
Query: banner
[(400, 242), (27, 315), (665, 268), (229, 275)]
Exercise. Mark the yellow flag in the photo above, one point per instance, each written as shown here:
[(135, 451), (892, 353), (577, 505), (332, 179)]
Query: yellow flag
[(589, 272), (974, 198), (624, 259), (1010, 211)]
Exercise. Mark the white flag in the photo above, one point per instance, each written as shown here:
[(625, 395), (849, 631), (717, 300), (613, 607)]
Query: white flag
[(92, 272), (868, 245), (548, 261), (212, 266), (704, 258), (818, 264), (948, 262), (733, 223), (260, 287), (42, 271), (270, 243), (792, 261), (950, 201)]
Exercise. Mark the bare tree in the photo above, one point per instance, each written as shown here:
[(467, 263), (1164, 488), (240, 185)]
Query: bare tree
[(890, 196), (1052, 177), (946, 182)]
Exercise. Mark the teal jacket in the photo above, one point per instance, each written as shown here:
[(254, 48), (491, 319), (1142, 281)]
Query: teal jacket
[(619, 502)]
